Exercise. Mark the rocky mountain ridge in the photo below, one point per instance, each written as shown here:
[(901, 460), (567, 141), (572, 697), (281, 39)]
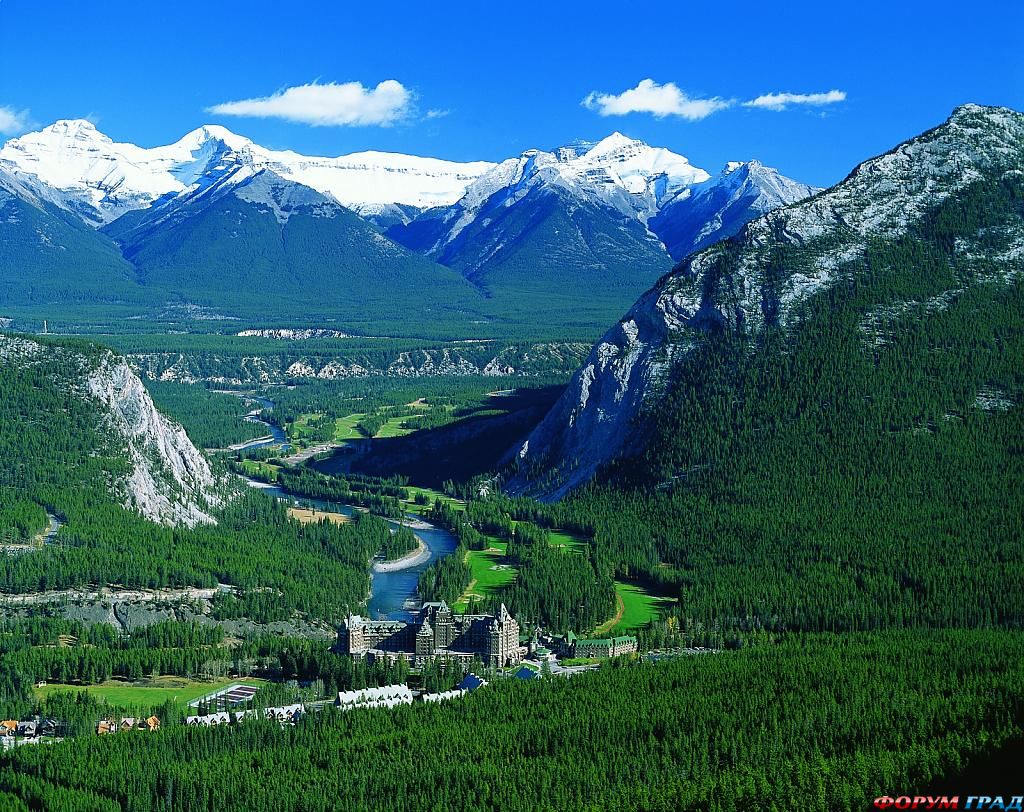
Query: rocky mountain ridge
[(607, 214), (761, 279), (100, 179), (468, 358), (168, 480)]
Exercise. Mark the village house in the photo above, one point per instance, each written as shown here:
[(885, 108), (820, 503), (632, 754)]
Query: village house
[(471, 682), (287, 713), (28, 729)]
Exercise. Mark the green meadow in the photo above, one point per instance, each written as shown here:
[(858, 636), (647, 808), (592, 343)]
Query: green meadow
[(636, 608), (490, 570), (151, 694)]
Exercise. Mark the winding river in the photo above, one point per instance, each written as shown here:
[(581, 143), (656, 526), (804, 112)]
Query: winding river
[(392, 594)]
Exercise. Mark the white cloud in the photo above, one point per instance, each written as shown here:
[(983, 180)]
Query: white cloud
[(780, 101), (658, 100), (437, 113), (329, 105), (13, 121)]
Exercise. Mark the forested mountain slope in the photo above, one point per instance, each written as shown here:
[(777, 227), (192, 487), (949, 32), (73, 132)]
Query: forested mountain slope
[(260, 244), (51, 256), (910, 241), (818, 425), (138, 507), (112, 432)]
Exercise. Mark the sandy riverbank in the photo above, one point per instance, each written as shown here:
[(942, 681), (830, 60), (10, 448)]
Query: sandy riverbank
[(417, 524), (416, 557)]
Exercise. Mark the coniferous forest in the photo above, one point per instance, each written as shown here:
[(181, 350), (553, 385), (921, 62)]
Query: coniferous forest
[(811, 721), (829, 508)]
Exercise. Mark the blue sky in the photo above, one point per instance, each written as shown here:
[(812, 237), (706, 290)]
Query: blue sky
[(486, 81)]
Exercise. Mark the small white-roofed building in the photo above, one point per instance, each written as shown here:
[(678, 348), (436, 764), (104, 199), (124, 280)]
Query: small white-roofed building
[(384, 696), (209, 720), (444, 696)]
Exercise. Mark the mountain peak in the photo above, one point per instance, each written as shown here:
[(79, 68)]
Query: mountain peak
[(65, 128), (214, 132), (63, 125), (614, 143), (978, 117), (738, 170), (972, 109)]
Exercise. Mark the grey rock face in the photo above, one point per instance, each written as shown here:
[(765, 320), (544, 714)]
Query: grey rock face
[(170, 480), (760, 277)]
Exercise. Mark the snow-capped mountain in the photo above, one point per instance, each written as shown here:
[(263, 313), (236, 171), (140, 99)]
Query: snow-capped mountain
[(624, 175), (49, 254), (768, 276), (600, 214), (627, 175), (100, 179), (535, 228), (719, 208)]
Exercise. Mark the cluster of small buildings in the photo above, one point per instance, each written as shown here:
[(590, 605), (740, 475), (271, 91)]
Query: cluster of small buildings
[(286, 714), (444, 696), (390, 696), (384, 696), (28, 728), (437, 633), (108, 726)]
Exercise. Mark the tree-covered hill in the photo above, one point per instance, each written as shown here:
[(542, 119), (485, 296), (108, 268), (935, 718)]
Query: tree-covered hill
[(140, 508), (905, 237), (818, 425), (50, 257), (272, 248)]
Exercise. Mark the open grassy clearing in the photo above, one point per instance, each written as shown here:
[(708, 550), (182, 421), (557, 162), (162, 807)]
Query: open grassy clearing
[(302, 429), (490, 572), (431, 494), (566, 541), (258, 469), (394, 428), (303, 432), (345, 428), (150, 694), (637, 607), (308, 516)]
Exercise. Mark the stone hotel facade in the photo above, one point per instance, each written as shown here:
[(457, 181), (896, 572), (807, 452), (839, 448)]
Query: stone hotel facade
[(437, 632)]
